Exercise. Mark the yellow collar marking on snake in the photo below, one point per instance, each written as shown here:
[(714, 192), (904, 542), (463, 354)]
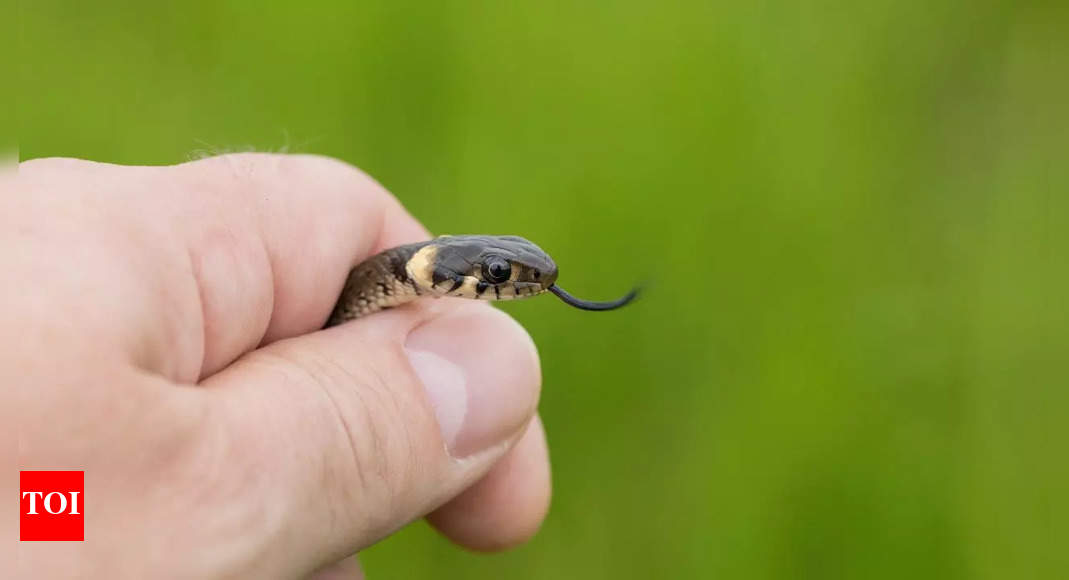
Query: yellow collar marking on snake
[(420, 266)]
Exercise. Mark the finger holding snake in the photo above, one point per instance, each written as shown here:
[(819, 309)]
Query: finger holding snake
[(211, 415)]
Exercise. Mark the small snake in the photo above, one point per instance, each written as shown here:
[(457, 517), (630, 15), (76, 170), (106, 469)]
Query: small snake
[(477, 267)]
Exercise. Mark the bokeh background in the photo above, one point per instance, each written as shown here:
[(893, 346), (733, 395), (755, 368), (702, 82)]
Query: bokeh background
[(851, 362)]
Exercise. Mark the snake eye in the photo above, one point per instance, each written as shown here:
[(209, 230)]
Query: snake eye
[(496, 270)]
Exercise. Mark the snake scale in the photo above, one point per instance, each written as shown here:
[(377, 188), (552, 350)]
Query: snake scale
[(469, 266)]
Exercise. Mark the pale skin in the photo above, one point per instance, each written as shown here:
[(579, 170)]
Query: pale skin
[(161, 331)]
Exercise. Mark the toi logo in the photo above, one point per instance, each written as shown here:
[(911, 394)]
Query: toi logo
[(52, 506)]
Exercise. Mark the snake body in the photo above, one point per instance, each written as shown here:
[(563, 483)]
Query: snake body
[(470, 266)]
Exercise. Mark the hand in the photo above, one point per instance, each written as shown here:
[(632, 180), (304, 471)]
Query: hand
[(160, 331)]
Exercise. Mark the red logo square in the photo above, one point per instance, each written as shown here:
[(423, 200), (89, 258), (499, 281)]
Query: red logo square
[(52, 506)]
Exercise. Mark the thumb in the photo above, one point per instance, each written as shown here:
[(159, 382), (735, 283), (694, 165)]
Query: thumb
[(347, 434)]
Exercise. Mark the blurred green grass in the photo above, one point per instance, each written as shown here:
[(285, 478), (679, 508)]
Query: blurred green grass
[(852, 361)]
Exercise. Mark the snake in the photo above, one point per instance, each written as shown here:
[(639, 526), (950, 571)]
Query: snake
[(480, 267)]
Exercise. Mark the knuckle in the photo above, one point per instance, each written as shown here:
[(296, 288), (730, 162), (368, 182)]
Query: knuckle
[(337, 176)]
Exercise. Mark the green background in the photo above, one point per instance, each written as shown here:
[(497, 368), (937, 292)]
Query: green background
[(851, 361)]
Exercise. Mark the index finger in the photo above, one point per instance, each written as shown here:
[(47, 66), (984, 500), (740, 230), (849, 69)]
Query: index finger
[(274, 238)]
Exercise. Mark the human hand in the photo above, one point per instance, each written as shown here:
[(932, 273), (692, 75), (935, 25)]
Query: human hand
[(161, 332)]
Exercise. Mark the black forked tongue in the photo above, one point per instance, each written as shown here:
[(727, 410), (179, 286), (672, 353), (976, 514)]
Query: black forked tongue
[(588, 305)]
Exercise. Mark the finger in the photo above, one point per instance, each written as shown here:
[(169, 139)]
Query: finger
[(188, 267), (274, 240), (507, 506), (354, 431)]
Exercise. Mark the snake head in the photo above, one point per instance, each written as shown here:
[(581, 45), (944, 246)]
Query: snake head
[(482, 267)]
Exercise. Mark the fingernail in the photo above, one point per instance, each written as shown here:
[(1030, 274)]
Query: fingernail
[(481, 375)]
